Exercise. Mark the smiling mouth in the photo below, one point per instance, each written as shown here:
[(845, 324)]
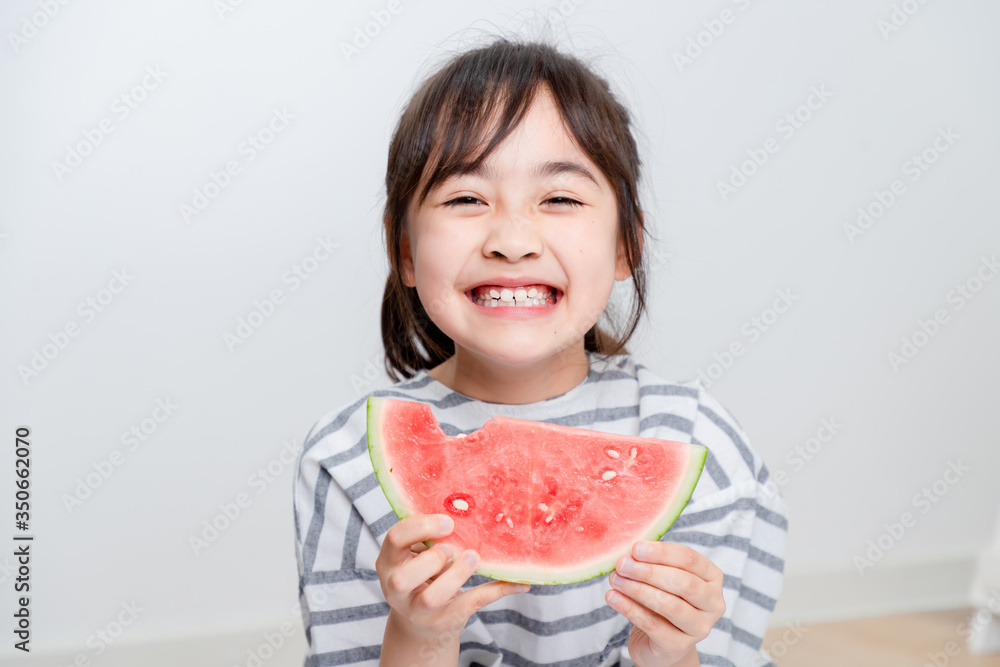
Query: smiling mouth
[(528, 296)]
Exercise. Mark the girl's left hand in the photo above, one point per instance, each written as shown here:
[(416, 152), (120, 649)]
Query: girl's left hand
[(673, 596)]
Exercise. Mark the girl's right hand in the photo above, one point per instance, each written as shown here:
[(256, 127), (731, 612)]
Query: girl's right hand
[(421, 585)]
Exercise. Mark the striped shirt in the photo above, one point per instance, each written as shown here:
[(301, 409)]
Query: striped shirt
[(341, 517)]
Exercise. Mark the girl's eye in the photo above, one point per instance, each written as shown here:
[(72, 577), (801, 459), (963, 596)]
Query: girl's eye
[(460, 201), (564, 201), (457, 201)]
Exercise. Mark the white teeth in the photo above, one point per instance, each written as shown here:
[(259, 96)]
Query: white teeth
[(518, 297)]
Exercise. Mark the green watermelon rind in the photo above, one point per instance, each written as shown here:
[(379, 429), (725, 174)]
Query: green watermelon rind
[(374, 412), (671, 513)]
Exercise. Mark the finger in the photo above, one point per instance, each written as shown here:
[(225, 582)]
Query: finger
[(677, 555), (409, 577), (660, 631), (451, 553), (453, 617), (447, 584), (431, 579), (671, 580), (476, 598), (412, 530), (677, 611)]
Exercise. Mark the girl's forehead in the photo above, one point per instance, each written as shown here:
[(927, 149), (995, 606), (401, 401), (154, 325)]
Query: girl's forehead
[(540, 140)]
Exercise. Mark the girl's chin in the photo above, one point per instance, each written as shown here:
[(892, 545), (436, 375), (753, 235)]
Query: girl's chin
[(516, 352)]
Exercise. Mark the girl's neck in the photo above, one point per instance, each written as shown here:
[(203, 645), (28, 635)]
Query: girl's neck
[(488, 381)]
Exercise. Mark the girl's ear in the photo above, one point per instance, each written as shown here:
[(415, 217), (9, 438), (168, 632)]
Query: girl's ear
[(622, 269), (406, 270)]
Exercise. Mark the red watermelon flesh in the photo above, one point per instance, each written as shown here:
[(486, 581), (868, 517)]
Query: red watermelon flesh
[(541, 503)]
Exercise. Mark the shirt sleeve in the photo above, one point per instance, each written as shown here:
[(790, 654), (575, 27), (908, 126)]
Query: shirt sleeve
[(343, 610), (741, 526)]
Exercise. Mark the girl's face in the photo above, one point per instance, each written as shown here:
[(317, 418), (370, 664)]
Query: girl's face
[(538, 217)]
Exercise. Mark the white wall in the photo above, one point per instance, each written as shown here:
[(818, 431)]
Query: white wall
[(719, 264)]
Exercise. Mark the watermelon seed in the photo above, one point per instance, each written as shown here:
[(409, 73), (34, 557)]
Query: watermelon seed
[(549, 518), (462, 435), (509, 522), (543, 507), (612, 453), (499, 516), (460, 503), (634, 450), (610, 474)]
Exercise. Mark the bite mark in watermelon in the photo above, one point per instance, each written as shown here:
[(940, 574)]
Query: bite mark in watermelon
[(540, 503)]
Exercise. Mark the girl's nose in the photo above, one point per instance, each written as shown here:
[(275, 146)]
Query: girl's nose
[(513, 237)]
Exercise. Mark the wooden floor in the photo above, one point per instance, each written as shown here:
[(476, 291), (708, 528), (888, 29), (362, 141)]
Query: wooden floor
[(913, 640)]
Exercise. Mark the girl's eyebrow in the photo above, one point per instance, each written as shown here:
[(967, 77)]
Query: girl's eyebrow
[(543, 169), (552, 168)]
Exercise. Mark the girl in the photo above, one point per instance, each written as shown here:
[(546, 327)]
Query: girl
[(511, 211)]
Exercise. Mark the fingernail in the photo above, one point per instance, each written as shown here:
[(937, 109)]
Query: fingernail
[(447, 549), (471, 557), (521, 588), (447, 525), (641, 549), (628, 565)]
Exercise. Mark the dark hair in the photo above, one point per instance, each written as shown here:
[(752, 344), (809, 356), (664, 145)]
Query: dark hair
[(447, 119)]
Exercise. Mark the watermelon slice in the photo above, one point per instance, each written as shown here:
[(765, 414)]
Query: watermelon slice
[(541, 503)]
